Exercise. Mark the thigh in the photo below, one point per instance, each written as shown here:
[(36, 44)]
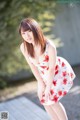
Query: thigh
[(60, 110), (51, 112)]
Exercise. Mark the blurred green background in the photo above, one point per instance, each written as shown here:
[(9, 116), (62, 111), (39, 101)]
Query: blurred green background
[(11, 13)]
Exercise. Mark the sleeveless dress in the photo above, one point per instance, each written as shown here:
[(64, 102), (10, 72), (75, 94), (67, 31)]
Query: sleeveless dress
[(62, 80)]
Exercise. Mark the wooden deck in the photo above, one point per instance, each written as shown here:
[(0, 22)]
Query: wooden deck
[(23, 109)]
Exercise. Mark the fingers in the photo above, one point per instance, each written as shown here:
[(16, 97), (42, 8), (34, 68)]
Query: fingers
[(46, 96), (47, 92), (40, 95)]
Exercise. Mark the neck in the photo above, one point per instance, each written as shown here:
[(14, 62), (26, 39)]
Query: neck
[(36, 46)]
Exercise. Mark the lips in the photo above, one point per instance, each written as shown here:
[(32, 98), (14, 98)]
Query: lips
[(29, 38)]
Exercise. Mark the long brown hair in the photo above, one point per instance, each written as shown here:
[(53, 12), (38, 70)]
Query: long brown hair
[(39, 38)]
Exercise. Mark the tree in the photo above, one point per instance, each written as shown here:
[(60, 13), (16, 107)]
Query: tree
[(11, 13)]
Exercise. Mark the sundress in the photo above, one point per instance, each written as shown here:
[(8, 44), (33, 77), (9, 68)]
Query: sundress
[(62, 80)]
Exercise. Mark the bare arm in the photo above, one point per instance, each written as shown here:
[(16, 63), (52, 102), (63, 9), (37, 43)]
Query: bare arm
[(52, 62), (32, 66)]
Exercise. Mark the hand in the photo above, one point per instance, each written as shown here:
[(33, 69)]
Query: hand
[(41, 89), (47, 92)]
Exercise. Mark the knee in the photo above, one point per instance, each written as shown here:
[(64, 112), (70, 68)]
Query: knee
[(52, 105), (57, 103), (47, 106)]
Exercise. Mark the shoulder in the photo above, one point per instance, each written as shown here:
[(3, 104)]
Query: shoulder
[(25, 54), (51, 47), (23, 50), (22, 47)]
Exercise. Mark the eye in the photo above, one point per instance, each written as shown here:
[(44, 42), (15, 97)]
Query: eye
[(23, 32)]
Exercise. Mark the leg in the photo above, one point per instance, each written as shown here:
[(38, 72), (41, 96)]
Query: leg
[(51, 112), (60, 110)]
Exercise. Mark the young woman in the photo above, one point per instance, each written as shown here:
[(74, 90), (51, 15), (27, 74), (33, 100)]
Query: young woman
[(53, 73)]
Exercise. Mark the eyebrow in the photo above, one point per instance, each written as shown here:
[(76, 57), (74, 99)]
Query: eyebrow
[(23, 32)]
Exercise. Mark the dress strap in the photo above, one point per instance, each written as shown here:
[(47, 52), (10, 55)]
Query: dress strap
[(46, 51)]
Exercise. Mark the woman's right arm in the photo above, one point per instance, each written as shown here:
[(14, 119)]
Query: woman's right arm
[(41, 84), (32, 66)]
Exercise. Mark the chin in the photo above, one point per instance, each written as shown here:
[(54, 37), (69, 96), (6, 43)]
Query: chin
[(30, 42)]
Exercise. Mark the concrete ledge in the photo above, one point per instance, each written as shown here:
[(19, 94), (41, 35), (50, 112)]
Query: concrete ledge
[(19, 76)]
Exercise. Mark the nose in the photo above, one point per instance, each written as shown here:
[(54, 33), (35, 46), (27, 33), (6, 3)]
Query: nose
[(28, 34)]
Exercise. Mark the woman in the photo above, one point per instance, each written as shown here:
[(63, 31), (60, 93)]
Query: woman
[(53, 73)]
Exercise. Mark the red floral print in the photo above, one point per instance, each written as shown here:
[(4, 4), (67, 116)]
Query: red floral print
[(55, 98), (71, 74), (59, 92), (52, 92), (42, 101), (61, 73), (59, 60), (64, 81), (56, 72), (64, 93), (43, 67), (63, 64), (43, 95), (64, 73), (54, 82), (47, 68), (56, 68), (46, 58), (42, 72)]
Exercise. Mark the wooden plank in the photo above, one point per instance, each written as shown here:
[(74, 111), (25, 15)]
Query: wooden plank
[(18, 110), (13, 113), (2, 108), (37, 110), (23, 109)]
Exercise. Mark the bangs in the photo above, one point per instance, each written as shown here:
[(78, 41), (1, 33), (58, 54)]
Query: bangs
[(24, 26)]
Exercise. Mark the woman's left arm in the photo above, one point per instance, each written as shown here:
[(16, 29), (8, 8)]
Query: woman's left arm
[(51, 71), (52, 62)]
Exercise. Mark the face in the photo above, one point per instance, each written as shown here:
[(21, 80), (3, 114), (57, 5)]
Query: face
[(28, 36)]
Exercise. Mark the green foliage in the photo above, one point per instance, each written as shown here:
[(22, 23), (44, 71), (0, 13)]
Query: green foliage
[(3, 84), (11, 13)]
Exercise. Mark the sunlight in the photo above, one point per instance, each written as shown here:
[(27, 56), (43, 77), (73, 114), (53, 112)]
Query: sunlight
[(75, 90)]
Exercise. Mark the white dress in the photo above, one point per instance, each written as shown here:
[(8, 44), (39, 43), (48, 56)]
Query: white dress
[(62, 80)]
